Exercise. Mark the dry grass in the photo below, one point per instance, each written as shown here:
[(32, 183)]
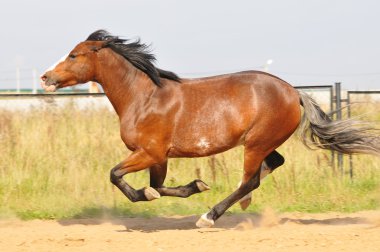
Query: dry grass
[(55, 163)]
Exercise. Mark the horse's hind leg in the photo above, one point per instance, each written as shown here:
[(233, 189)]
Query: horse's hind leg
[(157, 177), (251, 180), (270, 163)]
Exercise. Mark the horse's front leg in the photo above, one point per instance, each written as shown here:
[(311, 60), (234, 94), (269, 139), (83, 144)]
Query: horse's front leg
[(157, 178), (137, 161)]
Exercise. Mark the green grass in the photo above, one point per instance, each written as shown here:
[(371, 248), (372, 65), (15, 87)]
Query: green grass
[(55, 162)]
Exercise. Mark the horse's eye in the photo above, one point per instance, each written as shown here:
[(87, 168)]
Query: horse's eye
[(72, 56)]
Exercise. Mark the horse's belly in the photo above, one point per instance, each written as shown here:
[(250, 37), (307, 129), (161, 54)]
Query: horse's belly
[(200, 145)]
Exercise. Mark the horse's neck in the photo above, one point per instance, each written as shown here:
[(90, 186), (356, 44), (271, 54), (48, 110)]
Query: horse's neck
[(124, 85)]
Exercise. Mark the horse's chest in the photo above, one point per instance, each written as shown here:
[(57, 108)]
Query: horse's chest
[(129, 136), (145, 135)]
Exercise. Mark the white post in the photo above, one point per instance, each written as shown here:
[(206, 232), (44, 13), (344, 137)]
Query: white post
[(34, 73), (18, 80), (266, 66)]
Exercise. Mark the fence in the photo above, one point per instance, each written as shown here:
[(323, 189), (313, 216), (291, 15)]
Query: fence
[(24, 101), (349, 103)]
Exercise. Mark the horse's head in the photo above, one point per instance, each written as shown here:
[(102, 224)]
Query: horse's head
[(77, 67)]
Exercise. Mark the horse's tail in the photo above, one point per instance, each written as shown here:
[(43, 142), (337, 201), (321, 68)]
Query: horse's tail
[(345, 136)]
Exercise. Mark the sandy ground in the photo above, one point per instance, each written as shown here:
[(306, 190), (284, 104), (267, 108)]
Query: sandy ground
[(244, 232)]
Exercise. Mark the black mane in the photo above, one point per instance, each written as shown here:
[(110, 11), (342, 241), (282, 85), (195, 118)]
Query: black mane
[(135, 52)]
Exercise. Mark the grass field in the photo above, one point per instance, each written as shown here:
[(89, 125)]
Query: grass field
[(55, 162)]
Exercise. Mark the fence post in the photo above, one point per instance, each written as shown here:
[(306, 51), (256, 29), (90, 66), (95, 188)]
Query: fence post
[(34, 74), (332, 114), (18, 85), (338, 107), (349, 116)]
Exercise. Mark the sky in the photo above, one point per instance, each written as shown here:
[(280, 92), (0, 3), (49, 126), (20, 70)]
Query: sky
[(314, 42)]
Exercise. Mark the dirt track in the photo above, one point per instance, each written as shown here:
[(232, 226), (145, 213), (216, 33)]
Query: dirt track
[(266, 232)]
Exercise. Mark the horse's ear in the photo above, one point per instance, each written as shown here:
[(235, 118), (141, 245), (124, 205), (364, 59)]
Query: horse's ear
[(98, 46), (95, 48)]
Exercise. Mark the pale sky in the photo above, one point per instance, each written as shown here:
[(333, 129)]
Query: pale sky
[(313, 42)]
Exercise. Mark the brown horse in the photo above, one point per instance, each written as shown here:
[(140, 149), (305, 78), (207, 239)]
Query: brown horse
[(163, 116)]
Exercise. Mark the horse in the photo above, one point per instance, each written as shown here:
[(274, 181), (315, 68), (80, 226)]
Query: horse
[(163, 116)]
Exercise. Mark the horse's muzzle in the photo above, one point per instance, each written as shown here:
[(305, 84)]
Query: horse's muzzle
[(48, 83)]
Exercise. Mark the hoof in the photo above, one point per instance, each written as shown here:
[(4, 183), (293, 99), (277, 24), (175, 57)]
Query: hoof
[(151, 194), (202, 186), (246, 200), (204, 222), (245, 203)]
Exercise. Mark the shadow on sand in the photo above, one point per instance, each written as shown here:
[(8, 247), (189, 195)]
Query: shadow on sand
[(226, 222)]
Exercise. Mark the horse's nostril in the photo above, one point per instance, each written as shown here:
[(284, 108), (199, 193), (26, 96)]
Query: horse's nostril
[(43, 77)]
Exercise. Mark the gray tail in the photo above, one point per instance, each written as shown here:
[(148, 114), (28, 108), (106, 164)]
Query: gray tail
[(345, 136)]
